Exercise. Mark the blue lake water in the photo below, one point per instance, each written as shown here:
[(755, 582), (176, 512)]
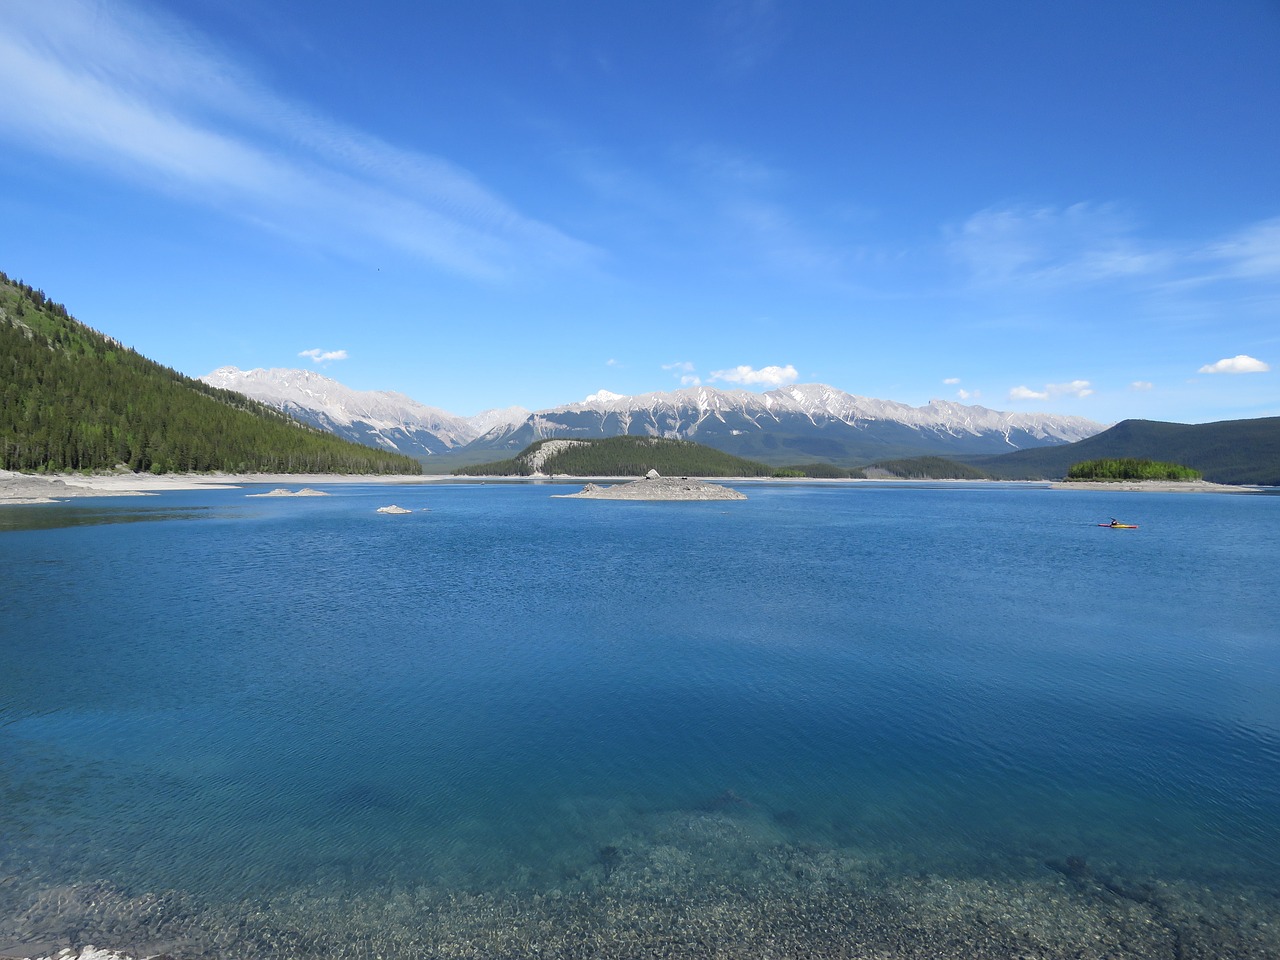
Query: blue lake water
[(964, 698)]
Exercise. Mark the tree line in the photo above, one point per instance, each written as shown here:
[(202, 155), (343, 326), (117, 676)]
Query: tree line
[(1130, 468)]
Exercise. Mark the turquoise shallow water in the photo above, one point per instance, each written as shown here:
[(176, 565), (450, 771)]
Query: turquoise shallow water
[(512, 697)]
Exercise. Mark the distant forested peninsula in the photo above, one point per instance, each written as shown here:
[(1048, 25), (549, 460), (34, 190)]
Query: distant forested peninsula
[(74, 399), (624, 456), (630, 456)]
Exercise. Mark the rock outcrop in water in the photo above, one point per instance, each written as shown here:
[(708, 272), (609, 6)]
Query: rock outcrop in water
[(654, 487)]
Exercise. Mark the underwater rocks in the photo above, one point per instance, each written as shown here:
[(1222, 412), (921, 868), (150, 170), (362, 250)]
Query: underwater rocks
[(690, 884)]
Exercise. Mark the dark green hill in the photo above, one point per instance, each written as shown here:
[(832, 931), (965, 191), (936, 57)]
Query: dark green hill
[(930, 468), (73, 399), (621, 457), (1229, 451)]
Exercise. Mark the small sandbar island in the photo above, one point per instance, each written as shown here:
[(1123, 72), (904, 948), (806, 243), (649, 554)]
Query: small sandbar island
[(1152, 486), (655, 487)]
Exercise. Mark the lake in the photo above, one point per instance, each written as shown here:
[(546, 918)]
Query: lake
[(916, 720)]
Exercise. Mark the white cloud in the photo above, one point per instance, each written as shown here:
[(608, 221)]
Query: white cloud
[(1237, 364), (1141, 385), (951, 381), (1026, 393), (324, 356), (773, 376), (1076, 388), (686, 372), (964, 394), (141, 96), (611, 362), (1073, 388)]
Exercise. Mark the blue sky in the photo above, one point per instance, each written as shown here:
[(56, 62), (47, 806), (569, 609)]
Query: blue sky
[(1029, 205)]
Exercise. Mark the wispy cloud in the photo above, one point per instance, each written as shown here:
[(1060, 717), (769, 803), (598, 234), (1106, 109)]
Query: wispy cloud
[(951, 381), (140, 96), (775, 237), (731, 167), (1251, 253), (323, 356), (1141, 385), (746, 33), (1237, 364), (1052, 245), (773, 376), (1089, 243)]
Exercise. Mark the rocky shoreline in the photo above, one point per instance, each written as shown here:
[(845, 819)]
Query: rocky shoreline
[(20, 489)]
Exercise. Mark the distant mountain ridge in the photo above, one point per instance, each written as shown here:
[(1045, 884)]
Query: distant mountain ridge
[(804, 421), (1229, 451)]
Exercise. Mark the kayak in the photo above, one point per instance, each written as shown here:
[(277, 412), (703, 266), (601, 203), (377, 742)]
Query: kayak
[(1120, 526)]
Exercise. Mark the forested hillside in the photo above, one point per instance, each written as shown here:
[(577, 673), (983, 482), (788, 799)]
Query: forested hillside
[(621, 457), (930, 468), (73, 399), (1229, 451)]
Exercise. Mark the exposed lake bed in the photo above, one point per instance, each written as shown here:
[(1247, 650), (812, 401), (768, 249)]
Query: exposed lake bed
[(878, 725)]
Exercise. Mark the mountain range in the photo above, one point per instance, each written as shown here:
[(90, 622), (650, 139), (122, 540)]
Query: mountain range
[(803, 421)]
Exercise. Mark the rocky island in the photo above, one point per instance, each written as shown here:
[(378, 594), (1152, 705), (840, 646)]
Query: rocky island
[(656, 487)]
